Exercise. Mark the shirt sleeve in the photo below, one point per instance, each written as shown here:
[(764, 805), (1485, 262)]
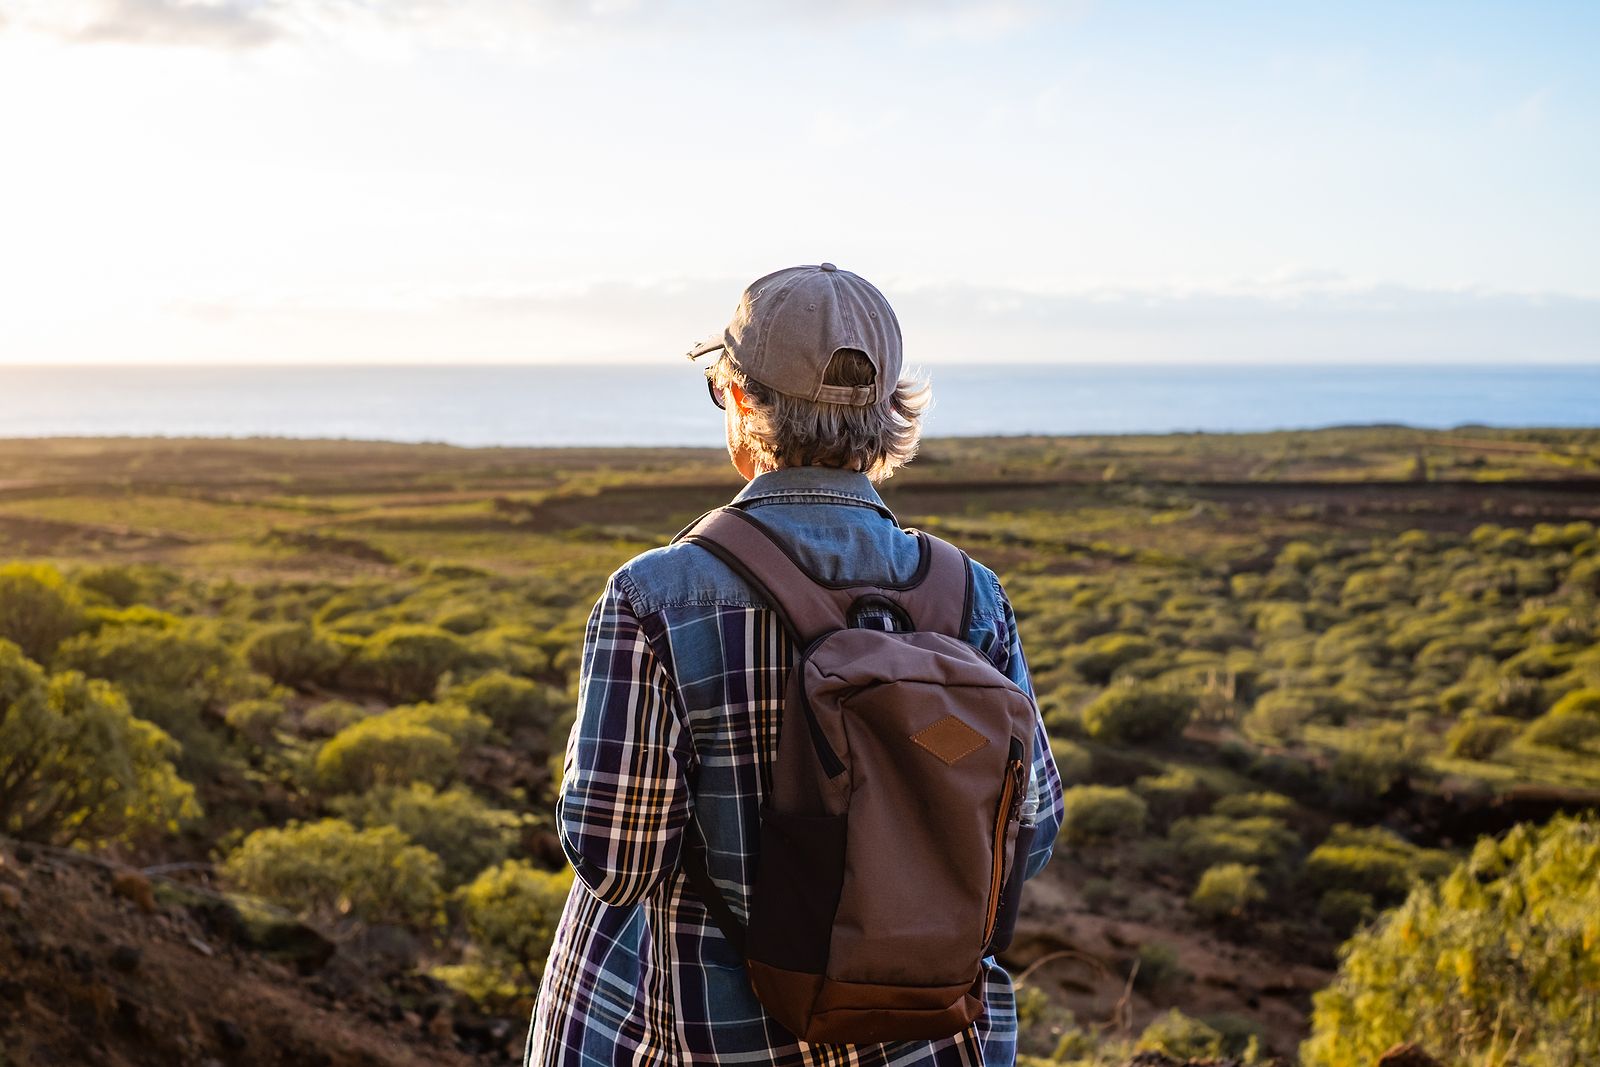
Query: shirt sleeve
[(624, 797), (1042, 807)]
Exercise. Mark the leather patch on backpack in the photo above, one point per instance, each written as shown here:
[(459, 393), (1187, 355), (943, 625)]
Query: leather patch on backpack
[(950, 739)]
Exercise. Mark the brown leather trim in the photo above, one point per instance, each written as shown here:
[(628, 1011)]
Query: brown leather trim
[(949, 739), (862, 1013), (788, 996)]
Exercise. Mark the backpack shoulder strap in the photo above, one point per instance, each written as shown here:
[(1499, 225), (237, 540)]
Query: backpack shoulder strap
[(942, 599), (937, 597)]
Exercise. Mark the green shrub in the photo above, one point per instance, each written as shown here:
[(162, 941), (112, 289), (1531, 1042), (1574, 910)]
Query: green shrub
[(384, 750), (1170, 792), (1138, 712), (1178, 1035), (1501, 953), (76, 766), (511, 913), (1098, 658), (332, 716), (255, 720), (1097, 811), (170, 677), (510, 702), (1246, 805), (1480, 736), (1578, 702), (406, 662), (1207, 840), (38, 608), (330, 869), (1158, 967), (1227, 890), (1370, 762), (464, 832), (1572, 732), (292, 653), (1371, 860), (1345, 909)]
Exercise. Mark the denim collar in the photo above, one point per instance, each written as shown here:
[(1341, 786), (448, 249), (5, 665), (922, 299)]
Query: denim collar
[(816, 483)]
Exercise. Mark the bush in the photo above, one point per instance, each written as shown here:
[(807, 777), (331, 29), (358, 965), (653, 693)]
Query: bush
[(169, 676), (1569, 733), (1096, 811), (255, 720), (1227, 890), (1371, 860), (1206, 840), (1158, 967), (1505, 943), (1345, 909), (76, 766), (1578, 702), (38, 609), (292, 653), (330, 869), (1098, 658), (1481, 736), (464, 832), (510, 702), (406, 662), (1170, 792), (511, 912), (1176, 1034), (331, 716), (1246, 805), (1138, 712), (384, 751), (1375, 760)]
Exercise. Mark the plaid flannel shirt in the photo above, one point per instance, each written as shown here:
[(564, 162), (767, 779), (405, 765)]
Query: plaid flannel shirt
[(680, 692)]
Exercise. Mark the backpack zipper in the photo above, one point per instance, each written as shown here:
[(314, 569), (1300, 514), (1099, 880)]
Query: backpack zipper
[(1010, 806)]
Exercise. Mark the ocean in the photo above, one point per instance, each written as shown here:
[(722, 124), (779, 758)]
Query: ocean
[(668, 405)]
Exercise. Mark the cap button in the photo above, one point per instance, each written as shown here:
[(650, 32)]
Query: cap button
[(829, 267)]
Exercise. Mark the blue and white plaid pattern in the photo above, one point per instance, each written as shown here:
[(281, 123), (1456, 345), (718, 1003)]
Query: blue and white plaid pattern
[(681, 686)]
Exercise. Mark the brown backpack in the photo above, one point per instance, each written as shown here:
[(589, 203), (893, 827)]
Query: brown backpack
[(891, 852)]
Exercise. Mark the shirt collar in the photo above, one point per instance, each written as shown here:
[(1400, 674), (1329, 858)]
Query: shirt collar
[(817, 481)]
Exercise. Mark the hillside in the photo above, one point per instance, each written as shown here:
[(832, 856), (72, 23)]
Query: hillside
[(1290, 677)]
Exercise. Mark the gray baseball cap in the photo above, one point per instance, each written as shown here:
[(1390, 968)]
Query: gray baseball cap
[(789, 324)]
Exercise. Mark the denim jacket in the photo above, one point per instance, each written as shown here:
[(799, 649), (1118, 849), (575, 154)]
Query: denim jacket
[(680, 696)]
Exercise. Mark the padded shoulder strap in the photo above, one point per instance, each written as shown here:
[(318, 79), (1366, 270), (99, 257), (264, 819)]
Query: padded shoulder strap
[(936, 598)]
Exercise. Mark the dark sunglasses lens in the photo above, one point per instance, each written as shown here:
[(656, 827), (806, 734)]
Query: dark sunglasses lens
[(716, 394)]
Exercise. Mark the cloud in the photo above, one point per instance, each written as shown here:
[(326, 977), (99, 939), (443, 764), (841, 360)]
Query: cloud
[(220, 24), (243, 24)]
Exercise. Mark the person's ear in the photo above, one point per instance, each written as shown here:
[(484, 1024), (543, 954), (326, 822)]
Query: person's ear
[(741, 402)]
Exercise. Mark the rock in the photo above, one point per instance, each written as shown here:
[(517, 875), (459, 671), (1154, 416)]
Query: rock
[(125, 958), (1407, 1055), (10, 898), (383, 949), (131, 885)]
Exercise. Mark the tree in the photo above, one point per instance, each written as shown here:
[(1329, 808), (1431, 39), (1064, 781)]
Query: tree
[(329, 869), (76, 766), (1494, 965)]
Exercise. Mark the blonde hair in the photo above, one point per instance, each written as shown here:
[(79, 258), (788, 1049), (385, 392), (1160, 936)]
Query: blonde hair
[(790, 431)]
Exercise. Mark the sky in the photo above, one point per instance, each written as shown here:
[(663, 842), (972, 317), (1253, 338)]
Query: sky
[(264, 181)]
